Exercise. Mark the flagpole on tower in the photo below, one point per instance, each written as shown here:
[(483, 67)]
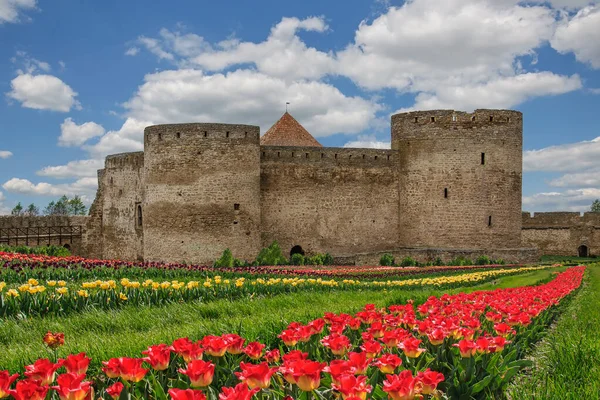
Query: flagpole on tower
[(286, 105)]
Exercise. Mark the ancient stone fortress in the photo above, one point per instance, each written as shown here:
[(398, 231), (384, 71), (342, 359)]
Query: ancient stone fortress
[(450, 186)]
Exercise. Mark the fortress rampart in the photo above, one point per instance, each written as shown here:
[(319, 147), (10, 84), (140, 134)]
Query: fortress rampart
[(563, 233), (450, 185)]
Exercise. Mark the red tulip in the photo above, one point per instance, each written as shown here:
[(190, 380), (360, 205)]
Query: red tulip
[(131, 369), (436, 336), (254, 350), (158, 356), (214, 346), (428, 380), (307, 374), (371, 348), (240, 392), (466, 347), (338, 344), (273, 356), (235, 343), (289, 337), (54, 340), (388, 363), (114, 390), (200, 372), (43, 370), (256, 376), (401, 386), (359, 362), (187, 349), (5, 381), (186, 394), (112, 368), (29, 389), (76, 363), (411, 348), (71, 387), (352, 386)]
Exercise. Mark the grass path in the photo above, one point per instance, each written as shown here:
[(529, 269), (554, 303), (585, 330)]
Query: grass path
[(567, 362), (126, 332)]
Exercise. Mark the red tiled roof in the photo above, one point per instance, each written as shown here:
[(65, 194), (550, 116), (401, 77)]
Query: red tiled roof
[(288, 132)]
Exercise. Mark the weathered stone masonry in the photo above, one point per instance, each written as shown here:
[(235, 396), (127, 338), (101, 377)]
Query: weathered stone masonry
[(200, 188), (449, 186), (563, 233)]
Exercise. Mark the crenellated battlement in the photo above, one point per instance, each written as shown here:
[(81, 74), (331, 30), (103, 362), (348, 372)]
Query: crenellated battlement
[(452, 124), (170, 133), (329, 156), (122, 160), (559, 220)]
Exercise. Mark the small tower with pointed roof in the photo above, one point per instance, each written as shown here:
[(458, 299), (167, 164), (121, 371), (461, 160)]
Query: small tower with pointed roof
[(288, 132)]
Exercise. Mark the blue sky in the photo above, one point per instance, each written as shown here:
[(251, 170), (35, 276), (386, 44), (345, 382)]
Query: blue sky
[(80, 80)]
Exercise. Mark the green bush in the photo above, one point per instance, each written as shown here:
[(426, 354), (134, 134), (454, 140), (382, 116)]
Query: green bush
[(460, 261), (387, 260), (226, 260), (483, 260), (499, 261), (408, 262), (53, 251), (438, 262), (298, 259), (271, 255), (328, 259)]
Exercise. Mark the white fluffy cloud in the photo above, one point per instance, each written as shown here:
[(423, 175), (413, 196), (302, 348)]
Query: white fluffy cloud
[(569, 200), (283, 54), (43, 92), (84, 187), (132, 51), (77, 169), (3, 209), (72, 134), (461, 54), (129, 138), (503, 92), (368, 142), (572, 157), (580, 35), (5, 154), (246, 96), (425, 44), (579, 179), (578, 163), (10, 10)]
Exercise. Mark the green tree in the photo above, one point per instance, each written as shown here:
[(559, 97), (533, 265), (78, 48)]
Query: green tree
[(76, 206), (32, 210), (596, 206), (18, 210), (66, 206)]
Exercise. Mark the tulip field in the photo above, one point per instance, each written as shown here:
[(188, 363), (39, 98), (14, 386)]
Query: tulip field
[(74, 329)]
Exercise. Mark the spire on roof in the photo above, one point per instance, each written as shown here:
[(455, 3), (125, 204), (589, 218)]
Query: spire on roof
[(288, 132)]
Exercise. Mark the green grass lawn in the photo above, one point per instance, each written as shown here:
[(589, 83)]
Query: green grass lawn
[(126, 332), (567, 361)]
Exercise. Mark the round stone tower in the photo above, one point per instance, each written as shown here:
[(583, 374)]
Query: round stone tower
[(202, 192), (460, 177)]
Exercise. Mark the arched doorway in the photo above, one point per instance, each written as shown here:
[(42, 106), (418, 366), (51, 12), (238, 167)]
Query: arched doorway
[(583, 251), (67, 246), (297, 249)]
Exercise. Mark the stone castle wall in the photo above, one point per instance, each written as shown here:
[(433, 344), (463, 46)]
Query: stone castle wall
[(202, 192), (122, 184), (562, 233), (335, 200), (460, 178), (39, 235), (450, 185)]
